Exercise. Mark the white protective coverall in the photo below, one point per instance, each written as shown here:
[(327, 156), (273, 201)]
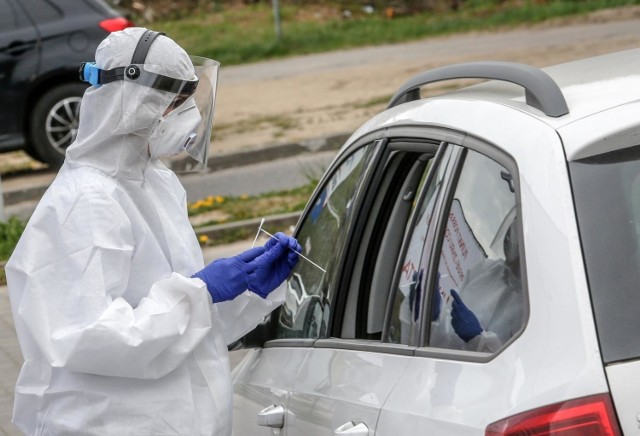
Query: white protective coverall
[(116, 336)]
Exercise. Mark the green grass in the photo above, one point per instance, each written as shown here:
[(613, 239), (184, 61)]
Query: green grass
[(229, 209), (10, 233), (245, 34), (232, 208)]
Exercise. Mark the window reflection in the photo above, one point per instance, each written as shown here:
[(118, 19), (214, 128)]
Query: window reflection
[(478, 302), (306, 310)]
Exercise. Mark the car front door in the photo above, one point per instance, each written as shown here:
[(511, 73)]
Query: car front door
[(349, 373), (264, 381), (19, 56)]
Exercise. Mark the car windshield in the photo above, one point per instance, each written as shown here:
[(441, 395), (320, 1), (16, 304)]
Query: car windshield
[(607, 196)]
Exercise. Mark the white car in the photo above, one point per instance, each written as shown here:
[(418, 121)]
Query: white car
[(481, 257)]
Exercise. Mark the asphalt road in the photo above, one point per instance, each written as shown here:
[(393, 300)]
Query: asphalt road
[(482, 44), (255, 179)]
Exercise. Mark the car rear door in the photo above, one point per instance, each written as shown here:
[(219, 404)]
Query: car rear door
[(450, 385), (19, 58)]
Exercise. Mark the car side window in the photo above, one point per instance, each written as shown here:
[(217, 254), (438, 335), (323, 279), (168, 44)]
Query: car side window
[(306, 309), (478, 303), (42, 11)]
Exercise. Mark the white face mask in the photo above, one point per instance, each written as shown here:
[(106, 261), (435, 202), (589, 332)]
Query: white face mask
[(176, 132)]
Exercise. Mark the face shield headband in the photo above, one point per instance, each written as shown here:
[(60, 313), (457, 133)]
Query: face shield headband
[(89, 71)]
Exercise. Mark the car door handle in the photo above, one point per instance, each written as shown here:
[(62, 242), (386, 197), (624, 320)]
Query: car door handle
[(272, 416), (16, 48), (352, 428)]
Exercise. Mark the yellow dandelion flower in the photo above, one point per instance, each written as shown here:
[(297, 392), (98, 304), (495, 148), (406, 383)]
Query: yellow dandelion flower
[(203, 239), (219, 199)]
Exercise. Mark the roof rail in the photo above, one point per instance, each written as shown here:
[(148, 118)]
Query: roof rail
[(541, 91)]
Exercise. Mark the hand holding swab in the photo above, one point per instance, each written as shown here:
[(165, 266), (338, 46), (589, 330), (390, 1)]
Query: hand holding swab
[(300, 254), (260, 229)]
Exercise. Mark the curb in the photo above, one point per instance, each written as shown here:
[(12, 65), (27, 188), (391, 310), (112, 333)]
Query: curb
[(15, 196)]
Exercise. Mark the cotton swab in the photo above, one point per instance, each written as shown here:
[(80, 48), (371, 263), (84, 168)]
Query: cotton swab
[(257, 233), (301, 255), (260, 229)]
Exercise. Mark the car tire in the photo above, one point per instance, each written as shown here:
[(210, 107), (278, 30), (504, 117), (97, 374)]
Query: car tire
[(54, 122)]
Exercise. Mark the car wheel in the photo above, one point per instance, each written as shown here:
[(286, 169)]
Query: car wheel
[(54, 122)]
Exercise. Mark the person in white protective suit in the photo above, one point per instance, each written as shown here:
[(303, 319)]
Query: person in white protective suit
[(489, 308), (123, 329)]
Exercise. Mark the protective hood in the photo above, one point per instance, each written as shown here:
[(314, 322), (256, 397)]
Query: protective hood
[(117, 119)]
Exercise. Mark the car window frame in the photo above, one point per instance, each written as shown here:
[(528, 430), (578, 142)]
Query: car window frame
[(411, 138), (360, 284), (377, 142), (449, 138)]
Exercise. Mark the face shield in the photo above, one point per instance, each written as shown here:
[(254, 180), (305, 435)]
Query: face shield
[(183, 134), (173, 105)]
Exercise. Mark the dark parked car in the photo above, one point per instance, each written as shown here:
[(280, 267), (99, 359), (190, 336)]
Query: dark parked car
[(42, 43)]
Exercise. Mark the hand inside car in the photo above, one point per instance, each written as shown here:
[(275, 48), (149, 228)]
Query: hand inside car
[(464, 322)]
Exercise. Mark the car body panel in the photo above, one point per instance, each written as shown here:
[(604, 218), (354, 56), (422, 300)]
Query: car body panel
[(19, 57), (59, 38), (335, 387), (264, 378), (602, 132), (624, 380)]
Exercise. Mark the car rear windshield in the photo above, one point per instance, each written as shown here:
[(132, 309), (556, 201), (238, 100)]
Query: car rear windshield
[(607, 196)]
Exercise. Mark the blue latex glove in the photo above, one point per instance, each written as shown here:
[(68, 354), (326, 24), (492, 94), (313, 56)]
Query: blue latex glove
[(229, 277), (436, 303), (275, 264), (463, 320)]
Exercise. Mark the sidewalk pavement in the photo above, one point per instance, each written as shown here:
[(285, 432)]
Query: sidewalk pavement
[(11, 357), (10, 362)]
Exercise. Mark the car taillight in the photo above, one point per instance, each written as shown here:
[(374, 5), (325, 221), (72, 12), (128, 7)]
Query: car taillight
[(115, 24), (588, 416)]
